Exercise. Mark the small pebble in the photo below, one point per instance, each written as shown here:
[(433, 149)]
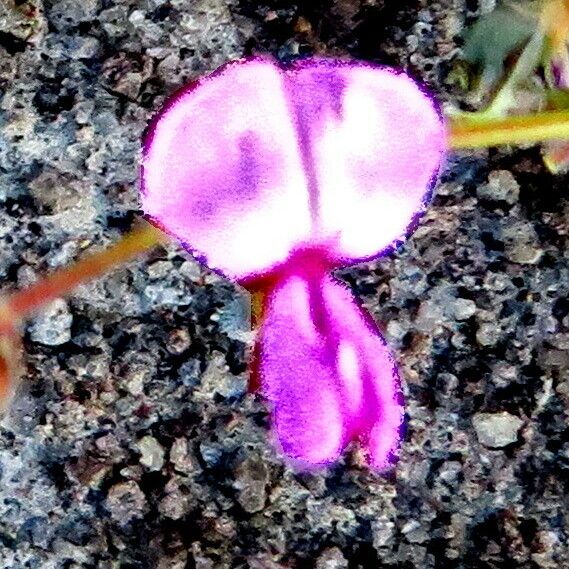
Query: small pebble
[(332, 558), (126, 501), (463, 308), (152, 453), (180, 456), (251, 479), (501, 186), (497, 430), (383, 532), (53, 326), (488, 334)]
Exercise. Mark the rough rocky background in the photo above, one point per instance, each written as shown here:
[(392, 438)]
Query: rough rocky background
[(133, 443)]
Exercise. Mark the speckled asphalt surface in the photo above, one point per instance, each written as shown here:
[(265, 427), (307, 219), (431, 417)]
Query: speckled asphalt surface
[(133, 442)]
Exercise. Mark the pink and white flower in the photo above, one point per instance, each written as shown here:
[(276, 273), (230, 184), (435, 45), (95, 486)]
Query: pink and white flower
[(279, 174)]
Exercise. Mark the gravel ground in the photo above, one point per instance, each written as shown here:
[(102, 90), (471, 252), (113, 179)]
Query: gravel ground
[(134, 444)]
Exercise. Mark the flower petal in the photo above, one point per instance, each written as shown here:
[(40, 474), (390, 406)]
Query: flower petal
[(222, 172), (297, 372), (326, 370), (257, 159), (374, 141), (368, 374)]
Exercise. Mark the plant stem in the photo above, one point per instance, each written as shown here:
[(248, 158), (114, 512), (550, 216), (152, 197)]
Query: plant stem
[(22, 303), (10, 365), (475, 132), (525, 66), (523, 129)]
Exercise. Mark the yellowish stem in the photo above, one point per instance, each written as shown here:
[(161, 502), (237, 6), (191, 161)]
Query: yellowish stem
[(527, 129)]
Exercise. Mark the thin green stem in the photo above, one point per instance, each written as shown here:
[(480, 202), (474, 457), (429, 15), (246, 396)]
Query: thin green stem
[(524, 129), (525, 66)]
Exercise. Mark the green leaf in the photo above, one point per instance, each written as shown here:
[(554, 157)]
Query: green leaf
[(557, 99), (493, 37)]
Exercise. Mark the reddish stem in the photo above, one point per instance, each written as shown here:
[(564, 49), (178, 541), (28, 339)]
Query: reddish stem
[(22, 303)]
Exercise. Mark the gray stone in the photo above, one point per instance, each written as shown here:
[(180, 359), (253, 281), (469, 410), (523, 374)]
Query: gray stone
[(175, 504), (36, 530), (179, 341), (23, 24), (65, 13), (450, 471), (176, 561), (161, 294), (211, 453), (53, 326), (488, 334), (180, 456), (69, 203), (497, 430), (126, 502), (235, 319), (251, 479), (415, 532), (501, 186), (522, 245), (151, 453), (383, 532), (463, 308), (332, 558)]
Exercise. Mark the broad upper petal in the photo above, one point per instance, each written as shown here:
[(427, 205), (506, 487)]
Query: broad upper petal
[(258, 159), (222, 172), (374, 142)]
